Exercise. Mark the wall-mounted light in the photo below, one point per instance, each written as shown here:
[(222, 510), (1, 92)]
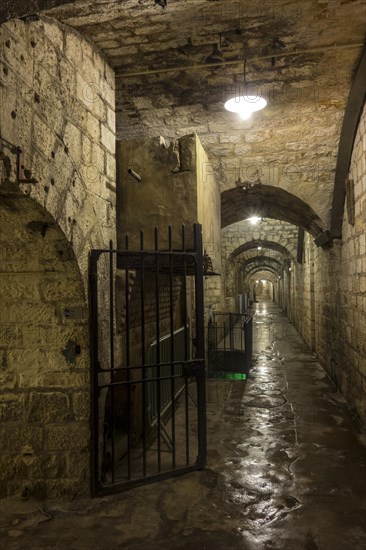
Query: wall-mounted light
[(259, 248)]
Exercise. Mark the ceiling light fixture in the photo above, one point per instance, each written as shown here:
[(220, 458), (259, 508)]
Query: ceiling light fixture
[(254, 220), (245, 104)]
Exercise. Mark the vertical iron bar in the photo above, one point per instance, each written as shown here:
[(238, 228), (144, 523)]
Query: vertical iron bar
[(231, 325), (157, 318), (143, 358), (111, 345), (94, 362), (127, 345), (185, 316), (242, 335), (224, 361), (172, 350), (200, 347)]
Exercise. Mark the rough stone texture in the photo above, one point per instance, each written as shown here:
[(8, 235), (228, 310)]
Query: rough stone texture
[(177, 187), (293, 142), (334, 322), (268, 483), (271, 235), (57, 104), (38, 380), (57, 93)]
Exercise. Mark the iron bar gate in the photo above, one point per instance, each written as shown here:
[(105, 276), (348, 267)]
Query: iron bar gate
[(230, 342), (147, 361)]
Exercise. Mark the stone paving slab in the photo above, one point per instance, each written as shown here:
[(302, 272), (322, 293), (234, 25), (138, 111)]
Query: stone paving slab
[(286, 470)]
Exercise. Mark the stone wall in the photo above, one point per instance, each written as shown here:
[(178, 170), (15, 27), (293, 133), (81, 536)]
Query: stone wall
[(340, 293), (233, 279), (177, 187), (209, 211), (57, 105), (161, 184)]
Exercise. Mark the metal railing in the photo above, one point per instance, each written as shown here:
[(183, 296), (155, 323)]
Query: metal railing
[(230, 342), (180, 353)]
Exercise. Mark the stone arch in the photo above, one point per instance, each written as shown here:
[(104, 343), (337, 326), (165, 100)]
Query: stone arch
[(257, 269), (268, 201), (44, 348), (57, 108), (253, 244), (268, 273), (260, 260)]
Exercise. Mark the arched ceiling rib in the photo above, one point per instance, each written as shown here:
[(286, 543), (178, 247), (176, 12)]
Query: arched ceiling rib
[(355, 103), (260, 261), (268, 201), (300, 56), (256, 270), (253, 245), (263, 269)]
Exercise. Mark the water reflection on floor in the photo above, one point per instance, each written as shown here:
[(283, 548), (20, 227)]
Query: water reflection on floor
[(286, 470)]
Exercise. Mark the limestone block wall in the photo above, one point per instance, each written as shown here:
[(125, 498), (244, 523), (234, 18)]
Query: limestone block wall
[(340, 293), (209, 211), (303, 297), (348, 365), (237, 234), (177, 186), (57, 106)]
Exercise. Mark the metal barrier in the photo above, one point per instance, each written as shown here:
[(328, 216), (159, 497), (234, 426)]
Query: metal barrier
[(230, 340), (179, 347), (136, 387)]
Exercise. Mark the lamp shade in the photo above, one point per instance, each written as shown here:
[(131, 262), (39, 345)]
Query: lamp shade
[(245, 105)]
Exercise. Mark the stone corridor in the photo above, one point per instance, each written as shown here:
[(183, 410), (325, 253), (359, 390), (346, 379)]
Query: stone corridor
[(286, 470)]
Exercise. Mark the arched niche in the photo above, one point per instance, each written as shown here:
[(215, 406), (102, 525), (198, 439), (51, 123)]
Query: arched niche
[(44, 347)]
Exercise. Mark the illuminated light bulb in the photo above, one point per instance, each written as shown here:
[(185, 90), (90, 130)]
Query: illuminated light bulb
[(254, 220), (245, 105)]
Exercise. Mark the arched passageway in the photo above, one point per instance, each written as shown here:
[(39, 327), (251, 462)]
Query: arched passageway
[(44, 356)]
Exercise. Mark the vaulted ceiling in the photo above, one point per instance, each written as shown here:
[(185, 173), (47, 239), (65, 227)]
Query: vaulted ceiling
[(301, 56)]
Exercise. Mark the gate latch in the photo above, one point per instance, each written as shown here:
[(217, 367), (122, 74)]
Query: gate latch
[(192, 369)]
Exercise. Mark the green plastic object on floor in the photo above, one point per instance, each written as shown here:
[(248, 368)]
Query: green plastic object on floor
[(227, 375)]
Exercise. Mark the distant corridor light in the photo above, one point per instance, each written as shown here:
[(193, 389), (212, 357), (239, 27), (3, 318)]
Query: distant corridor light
[(254, 220)]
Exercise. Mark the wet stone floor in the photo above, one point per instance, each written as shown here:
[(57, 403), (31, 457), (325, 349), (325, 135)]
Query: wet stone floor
[(286, 470)]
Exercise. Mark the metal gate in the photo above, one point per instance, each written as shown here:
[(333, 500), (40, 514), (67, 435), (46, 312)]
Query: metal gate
[(230, 340), (147, 361)]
